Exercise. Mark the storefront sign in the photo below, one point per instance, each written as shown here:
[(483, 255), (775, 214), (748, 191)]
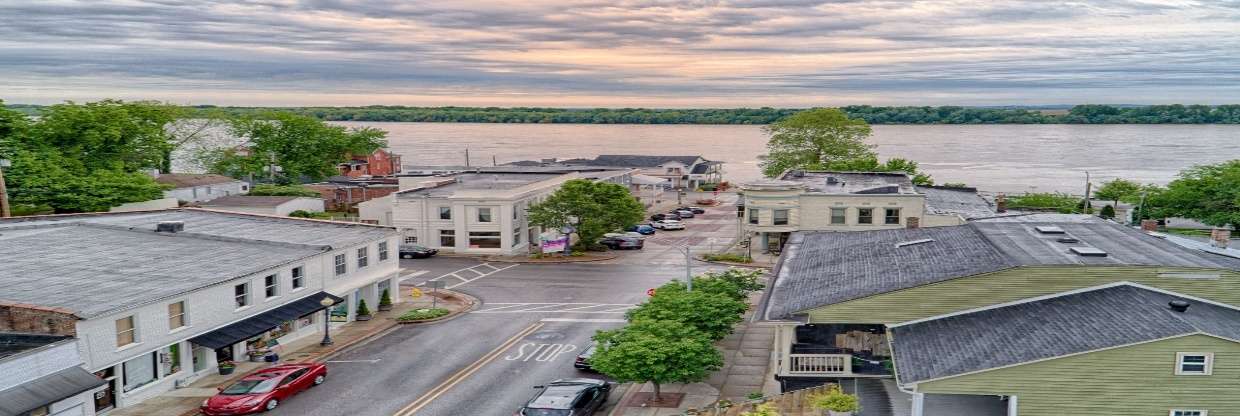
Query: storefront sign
[(558, 244)]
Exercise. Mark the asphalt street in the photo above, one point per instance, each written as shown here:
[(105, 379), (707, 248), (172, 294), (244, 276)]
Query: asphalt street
[(533, 321)]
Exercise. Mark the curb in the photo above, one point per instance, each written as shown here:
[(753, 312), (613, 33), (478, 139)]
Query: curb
[(629, 390), (583, 259), (472, 304)]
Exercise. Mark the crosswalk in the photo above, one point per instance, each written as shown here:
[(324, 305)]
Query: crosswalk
[(463, 276), (594, 308)]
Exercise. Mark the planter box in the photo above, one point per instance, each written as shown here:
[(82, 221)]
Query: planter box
[(363, 317), (226, 370), (385, 307)]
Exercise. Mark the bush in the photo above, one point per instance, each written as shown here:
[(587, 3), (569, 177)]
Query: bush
[(284, 190), (728, 257), (577, 254), (736, 283), (386, 298), (1045, 201), (1107, 212), (764, 409), (301, 213), (837, 401), (709, 311), (422, 314), (361, 307)]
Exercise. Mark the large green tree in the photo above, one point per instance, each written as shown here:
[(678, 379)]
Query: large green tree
[(1208, 193), (711, 311), (656, 352), (827, 139), (109, 134), (594, 208), (302, 147), (1119, 189)]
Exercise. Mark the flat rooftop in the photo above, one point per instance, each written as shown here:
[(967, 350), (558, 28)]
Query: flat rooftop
[(959, 201), (479, 182), (12, 343), (829, 182)]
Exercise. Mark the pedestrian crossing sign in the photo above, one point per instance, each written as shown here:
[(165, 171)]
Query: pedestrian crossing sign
[(417, 293)]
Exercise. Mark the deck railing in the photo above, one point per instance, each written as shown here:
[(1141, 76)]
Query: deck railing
[(818, 364)]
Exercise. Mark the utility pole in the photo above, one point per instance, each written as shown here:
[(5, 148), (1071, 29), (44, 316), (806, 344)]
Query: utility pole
[(1086, 206), (466, 157), (1140, 209), (493, 161), (688, 270), (271, 167), (4, 192)]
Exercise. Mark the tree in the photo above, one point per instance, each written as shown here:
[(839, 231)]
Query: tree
[(1118, 189), (593, 208), (303, 147), (1108, 212), (49, 179), (283, 190), (813, 138), (709, 311), (735, 282), (109, 134), (827, 139), (656, 352), (1207, 193)]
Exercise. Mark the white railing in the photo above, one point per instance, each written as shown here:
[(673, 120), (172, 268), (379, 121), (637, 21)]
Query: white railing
[(818, 364)]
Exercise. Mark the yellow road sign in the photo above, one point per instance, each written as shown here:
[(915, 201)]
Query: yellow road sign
[(417, 293)]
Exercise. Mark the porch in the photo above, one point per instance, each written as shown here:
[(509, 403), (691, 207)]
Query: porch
[(823, 352)]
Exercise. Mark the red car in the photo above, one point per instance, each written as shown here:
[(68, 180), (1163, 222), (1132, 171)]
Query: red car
[(264, 389)]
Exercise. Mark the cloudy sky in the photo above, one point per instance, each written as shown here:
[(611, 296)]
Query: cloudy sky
[(614, 53)]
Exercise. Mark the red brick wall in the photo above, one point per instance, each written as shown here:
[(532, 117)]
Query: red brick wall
[(337, 197), (378, 163), (37, 320)]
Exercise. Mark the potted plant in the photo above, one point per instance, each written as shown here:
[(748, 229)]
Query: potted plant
[(227, 367), (837, 403), (363, 313), (385, 301)]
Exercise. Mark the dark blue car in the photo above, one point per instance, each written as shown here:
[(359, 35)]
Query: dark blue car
[(643, 229)]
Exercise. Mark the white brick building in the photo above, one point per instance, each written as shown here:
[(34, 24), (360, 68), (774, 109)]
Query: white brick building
[(42, 375), (157, 309)]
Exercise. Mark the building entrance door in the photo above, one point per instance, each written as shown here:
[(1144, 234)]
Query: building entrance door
[(106, 399)]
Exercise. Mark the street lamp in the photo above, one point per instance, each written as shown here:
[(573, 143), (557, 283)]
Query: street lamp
[(4, 193), (327, 320)]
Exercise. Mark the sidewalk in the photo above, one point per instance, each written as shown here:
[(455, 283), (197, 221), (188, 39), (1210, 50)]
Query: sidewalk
[(185, 401)]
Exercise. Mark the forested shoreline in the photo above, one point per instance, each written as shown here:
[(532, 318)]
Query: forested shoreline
[(1080, 114)]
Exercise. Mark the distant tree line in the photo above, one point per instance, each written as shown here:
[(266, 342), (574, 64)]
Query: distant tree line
[(1081, 114)]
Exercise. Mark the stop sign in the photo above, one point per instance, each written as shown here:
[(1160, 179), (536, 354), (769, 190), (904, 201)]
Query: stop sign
[(650, 292)]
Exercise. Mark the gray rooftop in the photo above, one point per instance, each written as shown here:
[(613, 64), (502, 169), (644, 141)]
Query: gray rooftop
[(480, 181), (824, 268), (828, 182), (93, 264), (641, 161), (249, 201), (1048, 328), (956, 201)]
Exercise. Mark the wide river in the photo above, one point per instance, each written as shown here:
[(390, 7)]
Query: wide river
[(1011, 158)]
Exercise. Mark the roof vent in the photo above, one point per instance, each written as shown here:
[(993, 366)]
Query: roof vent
[(1067, 240), (1178, 305), (1088, 252), (1049, 229), (170, 226), (914, 242)]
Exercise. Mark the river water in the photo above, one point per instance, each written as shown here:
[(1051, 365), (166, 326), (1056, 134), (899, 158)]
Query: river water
[(1010, 158)]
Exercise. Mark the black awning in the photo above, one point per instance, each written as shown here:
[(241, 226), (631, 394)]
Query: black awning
[(263, 322), (46, 390)]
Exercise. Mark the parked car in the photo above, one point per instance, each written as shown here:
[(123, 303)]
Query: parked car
[(675, 215), (685, 213), (661, 217), (567, 397), (265, 389), (696, 210), (668, 225), (583, 359), (414, 251), (643, 229), (622, 242)]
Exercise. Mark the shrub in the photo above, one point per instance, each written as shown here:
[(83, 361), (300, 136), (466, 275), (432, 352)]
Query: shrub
[(736, 283), (1047, 201), (728, 257), (422, 314), (361, 307), (577, 254), (386, 298), (764, 409), (837, 401), (301, 213), (285, 190), (1107, 212), (709, 311), (757, 395)]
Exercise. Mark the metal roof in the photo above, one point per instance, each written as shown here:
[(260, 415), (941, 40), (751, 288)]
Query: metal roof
[(833, 182), (959, 201), (249, 201), (47, 390), (641, 161), (1054, 327), (480, 181), (824, 268)]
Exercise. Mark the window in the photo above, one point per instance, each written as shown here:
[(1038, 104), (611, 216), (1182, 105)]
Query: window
[(411, 239), (126, 333), (383, 251), (340, 264), (241, 293), (1194, 363), (516, 236), (839, 215), (176, 315), (891, 216), (445, 213), (1178, 412), (271, 285), (39, 411), (362, 260), (753, 215), (484, 239), (865, 215), (447, 238), (779, 217), (139, 371), (484, 215), (299, 278)]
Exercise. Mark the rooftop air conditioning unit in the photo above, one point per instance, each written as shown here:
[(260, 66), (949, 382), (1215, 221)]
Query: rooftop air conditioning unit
[(170, 226)]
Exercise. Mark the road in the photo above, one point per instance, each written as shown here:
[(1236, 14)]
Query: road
[(533, 321)]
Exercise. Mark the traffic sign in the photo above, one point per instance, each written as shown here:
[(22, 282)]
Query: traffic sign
[(415, 292), (650, 292)]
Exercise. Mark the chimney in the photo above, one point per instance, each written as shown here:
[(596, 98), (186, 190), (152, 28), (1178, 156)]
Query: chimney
[(1000, 203), (1178, 305), (170, 226), (913, 222), (1220, 237), (1149, 226)]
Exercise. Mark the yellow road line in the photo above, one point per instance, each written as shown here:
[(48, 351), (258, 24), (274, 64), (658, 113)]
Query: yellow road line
[(464, 373)]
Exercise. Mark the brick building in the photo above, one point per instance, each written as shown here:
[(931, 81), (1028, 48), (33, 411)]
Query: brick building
[(378, 163)]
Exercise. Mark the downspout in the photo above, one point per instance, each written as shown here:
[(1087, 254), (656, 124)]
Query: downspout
[(919, 399)]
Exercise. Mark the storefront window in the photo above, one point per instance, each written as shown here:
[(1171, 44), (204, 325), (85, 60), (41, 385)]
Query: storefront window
[(447, 238), (171, 358), (139, 371), (484, 239)]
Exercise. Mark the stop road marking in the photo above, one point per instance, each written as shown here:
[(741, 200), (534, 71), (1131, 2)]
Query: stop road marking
[(540, 352)]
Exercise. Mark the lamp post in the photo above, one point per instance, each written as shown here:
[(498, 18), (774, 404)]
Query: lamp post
[(4, 192), (327, 320)]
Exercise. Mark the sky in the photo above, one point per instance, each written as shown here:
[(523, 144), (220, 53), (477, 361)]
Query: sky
[(621, 53)]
